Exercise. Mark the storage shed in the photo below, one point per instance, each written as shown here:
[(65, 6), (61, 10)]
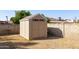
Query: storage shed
[(34, 26)]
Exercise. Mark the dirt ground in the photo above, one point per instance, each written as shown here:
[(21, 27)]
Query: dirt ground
[(15, 41), (70, 40)]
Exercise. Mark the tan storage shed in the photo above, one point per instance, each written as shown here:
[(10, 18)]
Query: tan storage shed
[(34, 26)]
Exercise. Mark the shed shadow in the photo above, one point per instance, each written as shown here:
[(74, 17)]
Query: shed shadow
[(6, 34), (15, 45)]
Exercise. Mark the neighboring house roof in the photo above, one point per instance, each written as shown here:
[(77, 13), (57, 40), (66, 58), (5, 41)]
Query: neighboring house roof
[(5, 22), (33, 17), (53, 19)]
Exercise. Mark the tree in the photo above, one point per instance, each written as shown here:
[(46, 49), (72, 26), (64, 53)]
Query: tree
[(19, 15)]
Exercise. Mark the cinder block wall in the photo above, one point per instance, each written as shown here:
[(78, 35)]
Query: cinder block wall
[(9, 29)]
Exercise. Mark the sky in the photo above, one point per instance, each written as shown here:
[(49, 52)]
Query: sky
[(65, 14)]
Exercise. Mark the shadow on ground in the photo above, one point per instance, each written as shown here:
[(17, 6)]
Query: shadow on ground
[(15, 45), (7, 34)]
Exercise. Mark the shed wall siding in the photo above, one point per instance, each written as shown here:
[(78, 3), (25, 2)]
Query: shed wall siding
[(24, 29)]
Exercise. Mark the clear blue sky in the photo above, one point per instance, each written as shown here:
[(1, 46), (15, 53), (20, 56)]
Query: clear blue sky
[(66, 14)]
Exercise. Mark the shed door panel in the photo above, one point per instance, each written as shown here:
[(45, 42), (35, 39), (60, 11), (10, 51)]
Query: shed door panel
[(35, 30), (38, 29)]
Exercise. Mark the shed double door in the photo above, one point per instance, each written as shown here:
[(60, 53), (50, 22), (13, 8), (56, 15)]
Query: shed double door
[(37, 30)]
